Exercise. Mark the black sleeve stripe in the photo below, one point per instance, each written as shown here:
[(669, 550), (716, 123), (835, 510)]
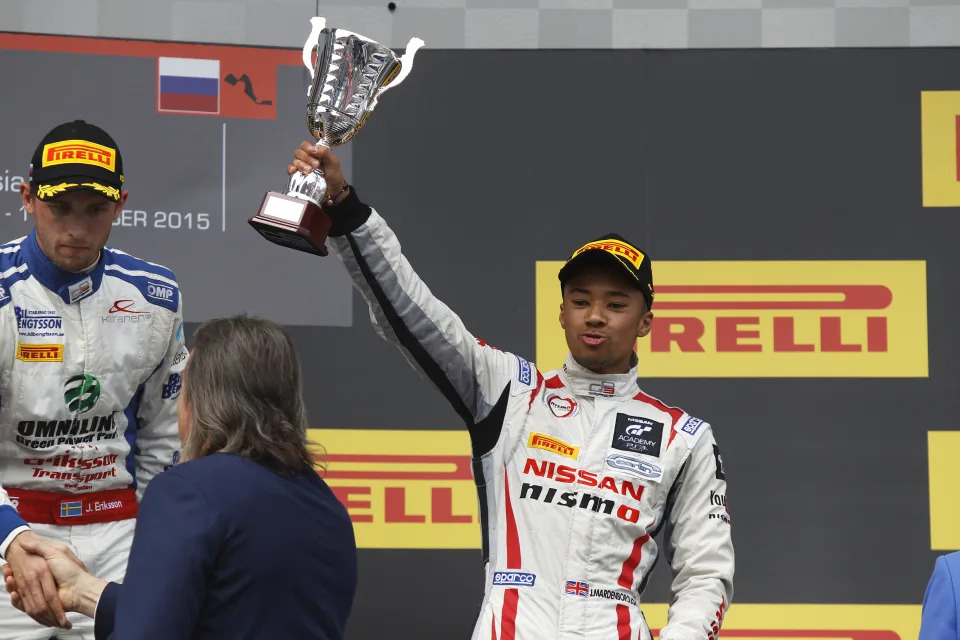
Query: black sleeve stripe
[(406, 338)]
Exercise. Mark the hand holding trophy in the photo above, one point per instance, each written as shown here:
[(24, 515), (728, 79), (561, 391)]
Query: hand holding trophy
[(348, 77)]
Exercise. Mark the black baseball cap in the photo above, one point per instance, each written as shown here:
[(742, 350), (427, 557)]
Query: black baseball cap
[(76, 155), (612, 249)]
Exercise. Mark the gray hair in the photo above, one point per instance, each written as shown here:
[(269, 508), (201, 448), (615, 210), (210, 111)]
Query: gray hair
[(242, 387)]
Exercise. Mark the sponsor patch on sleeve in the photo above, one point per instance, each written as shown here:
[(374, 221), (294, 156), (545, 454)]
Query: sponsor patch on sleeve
[(721, 473), (525, 372), (691, 426)]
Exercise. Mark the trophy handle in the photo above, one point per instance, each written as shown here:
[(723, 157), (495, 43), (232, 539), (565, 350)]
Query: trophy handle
[(311, 44), (406, 65)]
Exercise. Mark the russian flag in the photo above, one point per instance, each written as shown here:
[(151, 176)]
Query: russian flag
[(189, 85)]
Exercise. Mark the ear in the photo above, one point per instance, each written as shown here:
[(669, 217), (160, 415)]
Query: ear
[(645, 324), (563, 321), (26, 197), (123, 200)]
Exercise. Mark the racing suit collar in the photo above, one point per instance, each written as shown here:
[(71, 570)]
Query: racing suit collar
[(585, 383), (71, 287)]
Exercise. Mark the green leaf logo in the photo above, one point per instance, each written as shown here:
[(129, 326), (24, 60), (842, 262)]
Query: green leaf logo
[(81, 392)]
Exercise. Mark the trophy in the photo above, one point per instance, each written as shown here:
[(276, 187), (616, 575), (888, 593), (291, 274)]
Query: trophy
[(349, 75)]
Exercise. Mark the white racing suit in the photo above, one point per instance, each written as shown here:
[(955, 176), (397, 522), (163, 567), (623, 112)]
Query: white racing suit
[(90, 368), (576, 472)]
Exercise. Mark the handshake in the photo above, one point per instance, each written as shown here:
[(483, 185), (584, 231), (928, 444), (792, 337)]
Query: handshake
[(30, 573)]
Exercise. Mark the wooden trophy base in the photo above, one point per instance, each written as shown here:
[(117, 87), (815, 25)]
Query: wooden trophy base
[(293, 222)]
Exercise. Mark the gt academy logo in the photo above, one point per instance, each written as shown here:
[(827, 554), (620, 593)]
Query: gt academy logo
[(561, 407), (513, 579), (691, 426), (637, 435), (81, 392), (634, 466)]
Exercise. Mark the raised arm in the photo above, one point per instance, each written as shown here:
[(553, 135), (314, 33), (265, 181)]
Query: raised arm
[(475, 378)]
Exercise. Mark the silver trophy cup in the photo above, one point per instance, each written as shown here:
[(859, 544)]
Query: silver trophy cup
[(347, 78)]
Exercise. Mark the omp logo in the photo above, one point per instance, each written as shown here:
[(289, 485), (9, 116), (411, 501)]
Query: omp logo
[(620, 249), (777, 318), (79, 151), (404, 489), (541, 441), (808, 621), (159, 291), (40, 352), (940, 133)]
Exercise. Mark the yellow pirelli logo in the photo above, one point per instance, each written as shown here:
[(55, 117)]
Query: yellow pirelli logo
[(404, 489), (79, 151), (943, 451), (40, 352), (620, 249), (541, 441), (770, 319), (809, 621), (940, 133)]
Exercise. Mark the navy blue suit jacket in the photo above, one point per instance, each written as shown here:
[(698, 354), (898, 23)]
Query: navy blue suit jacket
[(227, 548), (942, 601)]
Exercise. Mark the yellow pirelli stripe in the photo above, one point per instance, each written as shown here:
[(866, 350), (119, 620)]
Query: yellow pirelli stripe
[(404, 489), (940, 133)]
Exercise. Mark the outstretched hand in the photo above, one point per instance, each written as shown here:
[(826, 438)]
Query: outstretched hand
[(74, 586), (36, 594)]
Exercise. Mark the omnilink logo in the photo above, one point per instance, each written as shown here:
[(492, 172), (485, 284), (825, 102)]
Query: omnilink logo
[(81, 392)]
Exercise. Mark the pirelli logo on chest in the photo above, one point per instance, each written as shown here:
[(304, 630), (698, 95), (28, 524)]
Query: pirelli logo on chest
[(79, 152), (541, 441), (40, 352)]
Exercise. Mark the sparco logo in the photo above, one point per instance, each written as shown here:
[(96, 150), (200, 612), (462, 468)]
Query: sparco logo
[(513, 579), (81, 392)]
